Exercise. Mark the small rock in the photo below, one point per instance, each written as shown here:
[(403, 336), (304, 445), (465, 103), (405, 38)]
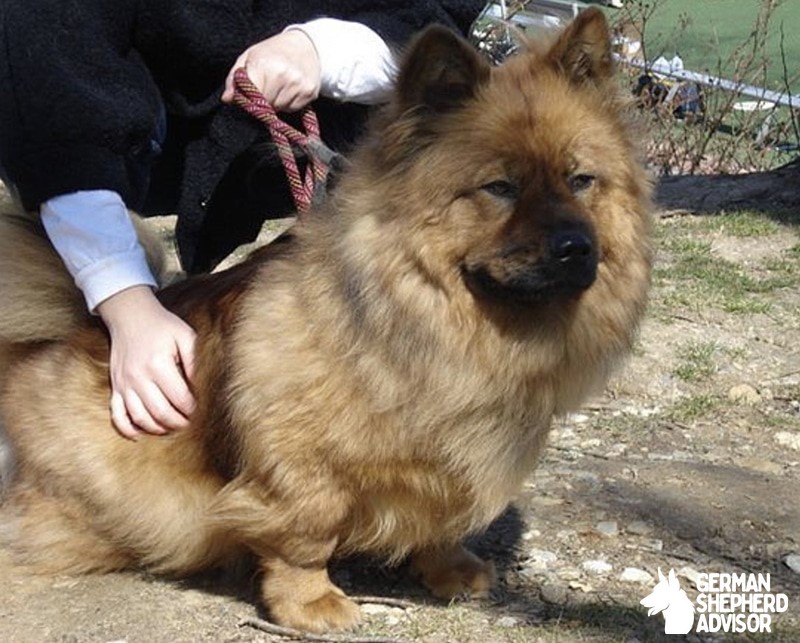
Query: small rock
[(616, 450), (569, 573), (564, 434), (639, 528), (540, 559), (787, 439), (373, 609), (542, 556), (581, 585), (690, 574), (598, 567), (588, 478), (635, 575), (546, 501), (761, 465), (554, 593), (744, 394), (654, 544), (607, 528), (507, 621), (792, 561)]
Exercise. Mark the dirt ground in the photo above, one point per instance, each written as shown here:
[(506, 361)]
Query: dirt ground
[(689, 461)]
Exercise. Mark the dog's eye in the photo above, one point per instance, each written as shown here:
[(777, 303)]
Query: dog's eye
[(501, 189), (580, 182)]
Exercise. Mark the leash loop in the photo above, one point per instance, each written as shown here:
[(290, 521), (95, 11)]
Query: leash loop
[(308, 186)]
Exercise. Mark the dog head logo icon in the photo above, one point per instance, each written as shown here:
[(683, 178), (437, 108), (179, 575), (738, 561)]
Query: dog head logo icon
[(668, 598)]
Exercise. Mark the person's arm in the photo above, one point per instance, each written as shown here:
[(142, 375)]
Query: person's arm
[(349, 60), (152, 350), (94, 234), (356, 64), (335, 58)]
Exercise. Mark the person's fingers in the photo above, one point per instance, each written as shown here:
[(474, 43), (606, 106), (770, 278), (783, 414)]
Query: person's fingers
[(120, 419), (186, 353), (284, 68), (266, 80), (151, 411), (227, 93), (175, 391), (152, 354)]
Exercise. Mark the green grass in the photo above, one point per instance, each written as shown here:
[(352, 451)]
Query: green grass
[(690, 275), (707, 31), (741, 224), (716, 37), (696, 361), (701, 279), (694, 407)]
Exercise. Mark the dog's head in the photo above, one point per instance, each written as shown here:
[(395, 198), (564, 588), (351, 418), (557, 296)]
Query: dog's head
[(521, 181)]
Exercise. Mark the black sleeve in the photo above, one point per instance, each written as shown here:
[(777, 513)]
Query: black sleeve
[(397, 24), (78, 106), (396, 21)]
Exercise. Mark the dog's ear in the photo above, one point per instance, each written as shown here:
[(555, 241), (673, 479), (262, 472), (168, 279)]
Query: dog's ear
[(440, 71), (583, 50)]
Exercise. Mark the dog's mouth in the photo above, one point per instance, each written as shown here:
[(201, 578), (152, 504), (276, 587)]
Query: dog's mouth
[(538, 284), (568, 269)]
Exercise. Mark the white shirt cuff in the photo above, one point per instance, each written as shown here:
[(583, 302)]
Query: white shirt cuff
[(94, 234), (355, 63)]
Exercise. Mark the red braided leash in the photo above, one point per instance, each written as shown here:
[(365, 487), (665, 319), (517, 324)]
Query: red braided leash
[(303, 185)]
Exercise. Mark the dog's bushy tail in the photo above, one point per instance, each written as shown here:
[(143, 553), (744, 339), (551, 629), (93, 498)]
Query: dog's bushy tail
[(40, 299)]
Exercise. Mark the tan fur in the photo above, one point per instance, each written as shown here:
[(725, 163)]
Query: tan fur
[(46, 303), (360, 387), (43, 286)]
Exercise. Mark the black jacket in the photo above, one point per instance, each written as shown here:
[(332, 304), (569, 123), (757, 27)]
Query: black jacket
[(84, 81)]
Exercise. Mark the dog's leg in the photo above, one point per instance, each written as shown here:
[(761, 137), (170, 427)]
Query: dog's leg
[(451, 571), (305, 598), (294, 536)]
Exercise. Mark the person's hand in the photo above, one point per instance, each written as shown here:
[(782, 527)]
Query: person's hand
[(152, 356), (285, 69)]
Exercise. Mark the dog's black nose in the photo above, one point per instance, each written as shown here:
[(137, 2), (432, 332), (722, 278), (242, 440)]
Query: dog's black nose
[(571, 245)]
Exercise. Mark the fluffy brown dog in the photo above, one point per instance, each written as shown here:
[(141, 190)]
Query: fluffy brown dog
[(383, 380)]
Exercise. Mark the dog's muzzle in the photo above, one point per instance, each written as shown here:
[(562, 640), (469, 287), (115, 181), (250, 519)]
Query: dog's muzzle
[(563, 267)]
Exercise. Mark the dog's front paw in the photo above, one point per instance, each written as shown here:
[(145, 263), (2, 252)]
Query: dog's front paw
[(454, 571), (306, 599), (331, 611)]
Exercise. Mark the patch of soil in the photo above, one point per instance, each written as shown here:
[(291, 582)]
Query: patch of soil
[(658, 473)]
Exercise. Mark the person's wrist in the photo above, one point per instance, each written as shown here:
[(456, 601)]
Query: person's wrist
[(302, 39), (118, 307), (305, 42)]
